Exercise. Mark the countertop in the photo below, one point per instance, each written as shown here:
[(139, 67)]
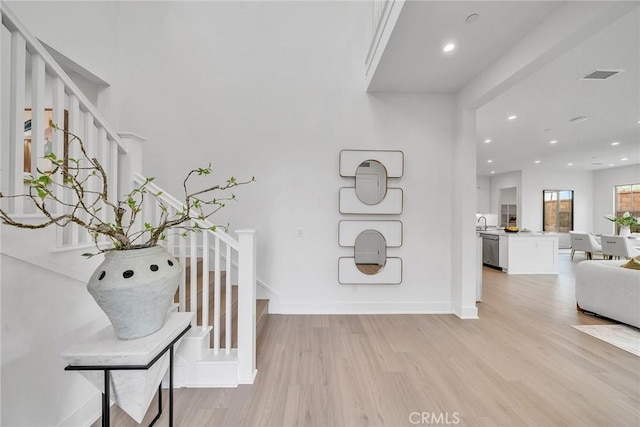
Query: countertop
[(520, 233)]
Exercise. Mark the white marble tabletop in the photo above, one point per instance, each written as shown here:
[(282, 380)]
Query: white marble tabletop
[(105, 348)]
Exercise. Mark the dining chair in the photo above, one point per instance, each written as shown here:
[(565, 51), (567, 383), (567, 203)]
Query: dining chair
[(618, 246), (586, 242)]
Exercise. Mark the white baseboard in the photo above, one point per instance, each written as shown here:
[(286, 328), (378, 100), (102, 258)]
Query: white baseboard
[(373, 307), (87, 414), (465, 312)]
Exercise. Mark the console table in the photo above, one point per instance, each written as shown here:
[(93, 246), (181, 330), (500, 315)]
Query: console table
[(131, 369)]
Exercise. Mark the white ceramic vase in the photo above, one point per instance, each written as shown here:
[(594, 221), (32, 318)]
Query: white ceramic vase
[(135, 288), (625, 231)]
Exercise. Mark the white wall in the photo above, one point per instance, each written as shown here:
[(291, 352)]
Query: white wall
[(483, 194), (43, 313), (535, 180), (603, 197), (276, 90), (506, 180)]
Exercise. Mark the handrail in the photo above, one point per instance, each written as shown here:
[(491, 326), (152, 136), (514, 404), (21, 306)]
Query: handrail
[(176, 204), (12, 23)]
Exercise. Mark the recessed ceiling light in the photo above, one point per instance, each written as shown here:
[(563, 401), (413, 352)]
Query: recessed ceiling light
[(493, 171), (611, 164), (472, 18), (489, 161), (615, 143), (624, 159), (536, 162), (553, 141), (512, 117), (448, 47), (578, 119), (569, 164), (486, 141)]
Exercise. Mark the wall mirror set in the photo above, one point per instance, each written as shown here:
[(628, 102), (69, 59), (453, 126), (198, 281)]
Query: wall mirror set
[(370, 195)]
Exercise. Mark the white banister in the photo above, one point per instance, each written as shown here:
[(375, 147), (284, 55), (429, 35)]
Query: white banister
[(245, 250), (16, 114), (193, 279), (217, 295), (74, 127), (228, 316), (182, 298), (205, 281), (246, 306), (11, 22), (37, 111), (37, 82)]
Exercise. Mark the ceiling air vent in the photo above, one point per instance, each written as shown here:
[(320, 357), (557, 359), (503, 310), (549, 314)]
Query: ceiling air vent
[(601, 74)]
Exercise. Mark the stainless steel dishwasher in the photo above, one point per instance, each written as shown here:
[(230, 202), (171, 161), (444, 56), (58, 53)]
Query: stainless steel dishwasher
[(490, 250)]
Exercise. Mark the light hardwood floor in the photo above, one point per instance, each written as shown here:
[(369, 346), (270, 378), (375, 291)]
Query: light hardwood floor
[(520, 364)]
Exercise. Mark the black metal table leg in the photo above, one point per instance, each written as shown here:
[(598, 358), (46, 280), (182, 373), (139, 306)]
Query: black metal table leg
[(153, 421), (106, 407), (171, 386)]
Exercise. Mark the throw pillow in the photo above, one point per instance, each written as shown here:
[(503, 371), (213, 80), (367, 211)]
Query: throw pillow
[(633, 263)]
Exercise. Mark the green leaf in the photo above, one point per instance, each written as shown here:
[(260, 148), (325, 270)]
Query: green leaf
[(45, 179)]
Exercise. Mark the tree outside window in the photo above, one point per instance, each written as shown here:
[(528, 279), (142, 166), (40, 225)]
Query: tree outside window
[(627, 200)]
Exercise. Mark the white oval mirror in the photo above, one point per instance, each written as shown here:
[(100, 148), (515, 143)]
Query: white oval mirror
[(371, 182), (370, 252)]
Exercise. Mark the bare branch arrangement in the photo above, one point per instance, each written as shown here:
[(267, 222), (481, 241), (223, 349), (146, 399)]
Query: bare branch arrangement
[(86, 181)]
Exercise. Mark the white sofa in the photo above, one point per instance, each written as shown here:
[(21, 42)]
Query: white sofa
[(605, 288)]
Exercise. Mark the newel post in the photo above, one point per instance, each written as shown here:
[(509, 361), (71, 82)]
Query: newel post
[(131, 162), (246, 306)]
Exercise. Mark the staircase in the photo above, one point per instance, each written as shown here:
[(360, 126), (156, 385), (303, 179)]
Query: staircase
[(220, 348), (262, 305)]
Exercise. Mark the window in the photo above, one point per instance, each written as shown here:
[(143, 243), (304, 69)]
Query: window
[(557, 215), (627, 200)]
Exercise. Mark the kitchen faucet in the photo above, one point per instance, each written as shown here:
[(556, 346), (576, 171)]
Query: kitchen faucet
[(485, 222)]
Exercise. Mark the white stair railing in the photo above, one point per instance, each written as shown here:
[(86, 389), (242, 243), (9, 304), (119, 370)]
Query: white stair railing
[(40, 93), (235, 255)]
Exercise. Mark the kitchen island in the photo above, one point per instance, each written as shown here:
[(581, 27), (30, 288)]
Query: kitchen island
[(525, 252)]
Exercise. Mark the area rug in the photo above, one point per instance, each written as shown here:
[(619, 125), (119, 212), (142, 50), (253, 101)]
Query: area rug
[(622, 336)]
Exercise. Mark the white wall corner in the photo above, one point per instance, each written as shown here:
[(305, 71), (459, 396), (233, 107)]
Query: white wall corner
[(380, 38), (463, 250)]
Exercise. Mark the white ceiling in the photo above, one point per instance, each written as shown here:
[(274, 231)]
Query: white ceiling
[(544, 102)]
